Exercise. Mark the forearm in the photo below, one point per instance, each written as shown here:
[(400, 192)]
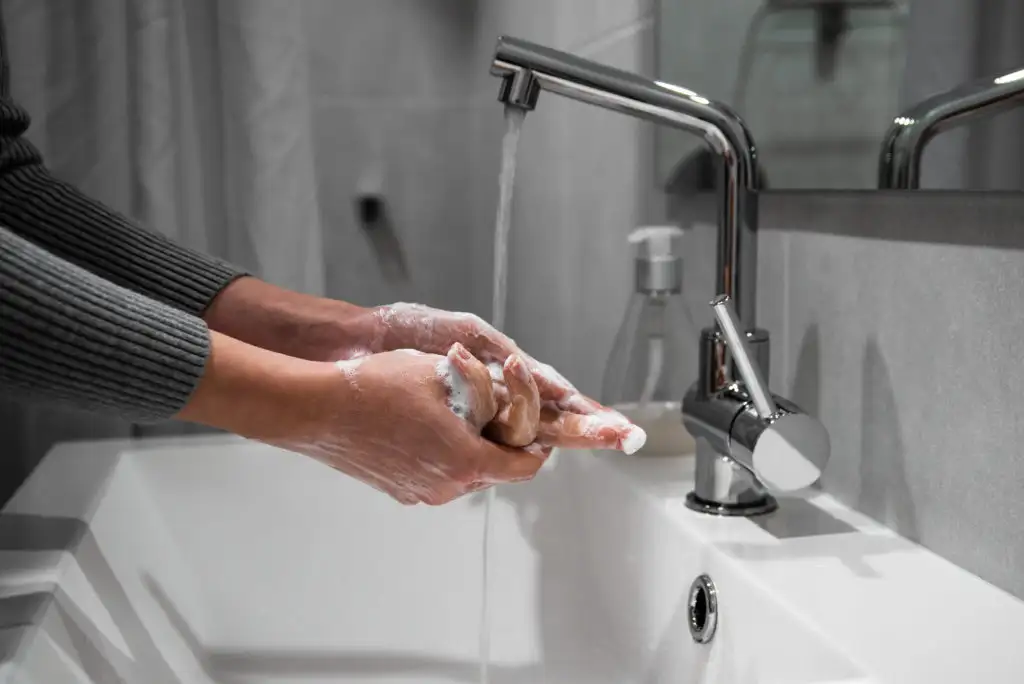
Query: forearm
[(291, 323), (61, 219), (253, 392)]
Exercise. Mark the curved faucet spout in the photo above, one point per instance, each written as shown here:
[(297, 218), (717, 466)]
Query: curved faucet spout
[(900, 161), (527, 69)]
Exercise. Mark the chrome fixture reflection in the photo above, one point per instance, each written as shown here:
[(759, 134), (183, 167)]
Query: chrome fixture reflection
[(733, 442), (900, 163), (753, 441)]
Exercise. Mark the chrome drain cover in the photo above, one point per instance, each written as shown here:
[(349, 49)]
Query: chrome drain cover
[(703, 609)]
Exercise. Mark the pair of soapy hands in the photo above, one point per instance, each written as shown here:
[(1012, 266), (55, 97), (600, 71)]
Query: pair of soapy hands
[(446, 405)]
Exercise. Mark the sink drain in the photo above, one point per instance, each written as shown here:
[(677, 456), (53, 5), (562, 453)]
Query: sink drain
[(703, 606)]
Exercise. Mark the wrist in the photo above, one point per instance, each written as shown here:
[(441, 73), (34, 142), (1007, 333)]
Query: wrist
[(287, 322), (255, 393)]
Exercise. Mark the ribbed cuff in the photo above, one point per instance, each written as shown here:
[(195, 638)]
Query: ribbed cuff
[(70, 336), (59, 218)]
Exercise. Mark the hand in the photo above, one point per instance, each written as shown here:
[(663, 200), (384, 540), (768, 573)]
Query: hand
[(569, 419), (413, 430), (415, 326), (320, 329), (404, 422)]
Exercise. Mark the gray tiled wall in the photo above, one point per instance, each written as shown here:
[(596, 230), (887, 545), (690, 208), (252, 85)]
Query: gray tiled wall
[(393, 98), (900, 329)]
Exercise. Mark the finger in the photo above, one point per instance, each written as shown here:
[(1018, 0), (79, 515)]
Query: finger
[(443, 495), (517, 420), (539, 449), (498, 386), (492, 346), (553, 387), (405, 498), (474, 487), (402, 496), (481, 338), (598, 431), (489, 344), (581, 404), (500, 392), (550, 383), (482, 405), (500, 464), (433, 330)]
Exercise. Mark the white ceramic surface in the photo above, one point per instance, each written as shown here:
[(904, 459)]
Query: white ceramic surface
[(215, 560)]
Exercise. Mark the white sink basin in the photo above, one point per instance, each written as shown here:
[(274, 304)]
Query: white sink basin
[(217, 560)]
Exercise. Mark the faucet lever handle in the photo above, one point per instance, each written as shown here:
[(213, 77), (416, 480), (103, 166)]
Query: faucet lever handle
[(750, 372)]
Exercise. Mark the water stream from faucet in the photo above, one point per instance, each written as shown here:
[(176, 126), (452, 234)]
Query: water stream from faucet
[(502, 226)]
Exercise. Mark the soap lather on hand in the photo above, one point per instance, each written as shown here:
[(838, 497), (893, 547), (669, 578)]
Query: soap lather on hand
[(503, 402), (533, 404)]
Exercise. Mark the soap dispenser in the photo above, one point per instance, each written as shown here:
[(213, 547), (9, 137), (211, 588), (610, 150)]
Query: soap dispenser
[(654, 358)]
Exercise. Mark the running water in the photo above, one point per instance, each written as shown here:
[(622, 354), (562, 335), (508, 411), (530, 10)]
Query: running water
[(506, 181), (503, 223)]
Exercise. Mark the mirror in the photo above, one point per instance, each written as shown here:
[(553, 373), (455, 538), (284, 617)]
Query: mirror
[(820, 83)]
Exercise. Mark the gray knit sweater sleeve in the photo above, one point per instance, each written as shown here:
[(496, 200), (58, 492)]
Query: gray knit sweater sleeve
[(95, 311), (68, 335)]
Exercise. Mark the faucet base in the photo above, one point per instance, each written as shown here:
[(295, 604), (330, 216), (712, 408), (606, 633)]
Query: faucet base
[(763, 506)]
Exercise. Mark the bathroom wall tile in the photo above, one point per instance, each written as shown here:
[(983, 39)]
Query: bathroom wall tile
[(586, 24), (567, 24), (421, 156), (582, 26), (395, 49), (772, 302), (533, 20), (904, 339)]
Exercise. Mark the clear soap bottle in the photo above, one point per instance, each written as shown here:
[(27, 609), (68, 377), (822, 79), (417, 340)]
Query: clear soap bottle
[(654, 359)]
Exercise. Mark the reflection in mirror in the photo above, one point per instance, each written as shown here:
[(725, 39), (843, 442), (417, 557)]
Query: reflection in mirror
[(820, 82), (911, 131)]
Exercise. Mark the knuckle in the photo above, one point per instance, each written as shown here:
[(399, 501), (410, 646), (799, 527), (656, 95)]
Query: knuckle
[(470, 474), (439, 498), (404, 498), (529, 474)]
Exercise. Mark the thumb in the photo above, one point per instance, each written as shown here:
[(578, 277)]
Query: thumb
[(476, 378)]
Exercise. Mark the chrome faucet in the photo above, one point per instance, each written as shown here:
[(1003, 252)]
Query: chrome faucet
[(748, 441), (900, 163)]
